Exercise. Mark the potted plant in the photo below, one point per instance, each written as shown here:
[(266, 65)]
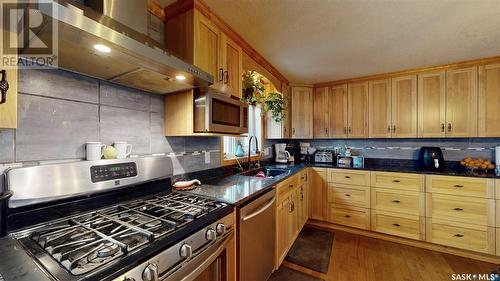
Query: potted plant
[(252, 88), (276, 104)]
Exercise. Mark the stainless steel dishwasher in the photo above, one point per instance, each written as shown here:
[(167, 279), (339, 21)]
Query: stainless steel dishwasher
[(257, 228)]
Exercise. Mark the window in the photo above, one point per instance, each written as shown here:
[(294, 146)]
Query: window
[(255, 123)]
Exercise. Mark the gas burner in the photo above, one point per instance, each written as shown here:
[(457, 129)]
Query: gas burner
[(87, 241)]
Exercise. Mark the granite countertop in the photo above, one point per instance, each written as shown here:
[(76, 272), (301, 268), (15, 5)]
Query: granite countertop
[(16, 264), (238, 190)]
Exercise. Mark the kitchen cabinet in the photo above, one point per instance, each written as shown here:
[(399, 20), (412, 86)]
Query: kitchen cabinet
[(279, 130), (282, 214), (303, 199), (321, 112), (285, 91), (379, 112), (357, 110), (318, 193), (337, 105), (431, 104), (8, 107), (489, 101), (302, 113), (461, 102), (195, 38), (404, 107)]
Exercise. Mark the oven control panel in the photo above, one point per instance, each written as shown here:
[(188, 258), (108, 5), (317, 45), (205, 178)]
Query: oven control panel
[(113, 171)]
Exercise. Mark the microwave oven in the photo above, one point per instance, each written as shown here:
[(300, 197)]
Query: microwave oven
[(220, 114)]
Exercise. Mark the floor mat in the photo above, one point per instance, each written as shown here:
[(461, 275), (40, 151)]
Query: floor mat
[(287, 274), (312, 249)]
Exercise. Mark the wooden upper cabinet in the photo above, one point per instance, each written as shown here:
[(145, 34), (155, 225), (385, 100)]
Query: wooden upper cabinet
[(357, 112), (431, 104), (301, 113), (207, 48), (337, 106), (489, 101), (320, 113), (8, 108), (379, 116), (285, 91), (461, 102), (232, 65), (404, 107)]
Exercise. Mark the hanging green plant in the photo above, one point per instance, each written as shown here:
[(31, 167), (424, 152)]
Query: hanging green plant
[(252, 88), (276, 104)]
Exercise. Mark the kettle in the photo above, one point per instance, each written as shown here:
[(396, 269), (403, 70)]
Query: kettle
[(431, 158)]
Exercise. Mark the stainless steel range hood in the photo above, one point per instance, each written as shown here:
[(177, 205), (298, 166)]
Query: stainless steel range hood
[(135, 60)]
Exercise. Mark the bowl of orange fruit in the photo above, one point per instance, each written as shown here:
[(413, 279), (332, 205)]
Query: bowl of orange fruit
[(473, 164)]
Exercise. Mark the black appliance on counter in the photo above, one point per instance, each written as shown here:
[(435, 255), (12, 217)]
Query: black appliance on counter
[(431, 158), (108, 220)]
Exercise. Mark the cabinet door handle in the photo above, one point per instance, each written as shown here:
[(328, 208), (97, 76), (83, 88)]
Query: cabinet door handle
[(347, 216), (293, 131), (458, 185), (349, 129), (396, 201), (221, 74), (348, 195), (458, 235), (458, 209), (449, 127), (326, 131), (396, 224), (4, 86), (291, 185), (442, 127), (347, 177), (388, 128), (393, 128), (396, 181), (226, 81)]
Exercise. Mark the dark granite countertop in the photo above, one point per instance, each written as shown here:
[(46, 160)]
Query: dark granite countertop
[(238, 189), (16, 264)]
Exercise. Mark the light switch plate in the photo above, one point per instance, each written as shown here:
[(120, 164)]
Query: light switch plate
[(207, 157)]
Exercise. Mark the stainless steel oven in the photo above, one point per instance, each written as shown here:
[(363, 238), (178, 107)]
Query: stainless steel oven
[(217, 113)]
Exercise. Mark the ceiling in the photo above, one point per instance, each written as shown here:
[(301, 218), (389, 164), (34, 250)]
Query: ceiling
[(311, 41)]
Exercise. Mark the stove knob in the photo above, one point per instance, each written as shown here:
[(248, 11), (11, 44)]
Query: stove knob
[(221, 228), (186, 251), (211, 235), (150, 273)]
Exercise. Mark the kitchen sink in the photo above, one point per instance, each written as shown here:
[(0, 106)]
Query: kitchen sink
[(269, 172)]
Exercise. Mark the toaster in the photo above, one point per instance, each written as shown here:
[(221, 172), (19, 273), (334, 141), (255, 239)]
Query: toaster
[(324, 156)]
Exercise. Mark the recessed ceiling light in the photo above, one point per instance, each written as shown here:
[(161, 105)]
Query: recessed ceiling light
[(102, 48), (180, 77)]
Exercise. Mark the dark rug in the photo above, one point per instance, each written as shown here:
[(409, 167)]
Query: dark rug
[(312, 249), (287, 274)]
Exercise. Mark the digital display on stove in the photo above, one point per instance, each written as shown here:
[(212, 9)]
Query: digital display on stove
[(113, 171)]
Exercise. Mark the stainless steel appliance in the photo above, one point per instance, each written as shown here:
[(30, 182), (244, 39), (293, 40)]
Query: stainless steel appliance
[(350, 161), (217, 113), (135, 60), (120, 221), (431, 158), (256, 240), (324, 156), (282, 155)]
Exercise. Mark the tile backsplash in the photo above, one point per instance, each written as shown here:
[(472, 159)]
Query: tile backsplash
[(454, 149), (59, 111)]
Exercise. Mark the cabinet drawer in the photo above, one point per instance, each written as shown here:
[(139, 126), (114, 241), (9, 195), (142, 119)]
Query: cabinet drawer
[(303, 177), (287, 186), (350, 216), (349, 177), (401, 181), (459, 235), (391, 200), (399, 225), (358, 196), (470, 210), (463, 186)]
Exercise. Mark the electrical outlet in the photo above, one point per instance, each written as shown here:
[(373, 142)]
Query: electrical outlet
[(266, 151), (207, 157)]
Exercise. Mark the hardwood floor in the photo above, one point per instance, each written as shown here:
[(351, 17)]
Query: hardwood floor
[(356, 257)]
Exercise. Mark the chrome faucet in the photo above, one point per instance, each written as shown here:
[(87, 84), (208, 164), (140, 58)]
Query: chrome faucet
[(250, 151)]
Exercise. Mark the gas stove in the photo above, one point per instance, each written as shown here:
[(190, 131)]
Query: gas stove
[(104, 242)]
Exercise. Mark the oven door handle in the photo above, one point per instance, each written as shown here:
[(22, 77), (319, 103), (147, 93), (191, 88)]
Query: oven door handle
[(195, 266), (260, 211)]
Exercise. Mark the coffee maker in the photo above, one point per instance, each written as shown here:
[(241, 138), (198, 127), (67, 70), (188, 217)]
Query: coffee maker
[(282, 155)]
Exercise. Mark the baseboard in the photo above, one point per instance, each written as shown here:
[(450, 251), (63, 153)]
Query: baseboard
[(420, 244)]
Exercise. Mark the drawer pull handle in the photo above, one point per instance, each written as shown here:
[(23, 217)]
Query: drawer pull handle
[(396, 224), (347, 177), (459, 235), (396, 201), (458, 185), (458, 209), (347, 216), (396, 181), (291, 185), (348, 195)]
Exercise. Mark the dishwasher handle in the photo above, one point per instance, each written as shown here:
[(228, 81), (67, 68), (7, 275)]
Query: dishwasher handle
[(260, 211)]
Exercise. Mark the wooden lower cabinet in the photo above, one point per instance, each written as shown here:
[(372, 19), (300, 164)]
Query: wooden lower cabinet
[(317, 193), (498, 241), (352, 177), (282, 214), (461, 235), (398, 201), (461, 186), (358, 196), (403, 225), (400, 181), (349, 216)]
